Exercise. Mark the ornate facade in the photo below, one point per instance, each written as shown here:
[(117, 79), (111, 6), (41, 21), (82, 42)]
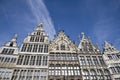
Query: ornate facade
[(32, 62), (112, 59), (91, 61), (60, 59), (8, 57), (63, 62)]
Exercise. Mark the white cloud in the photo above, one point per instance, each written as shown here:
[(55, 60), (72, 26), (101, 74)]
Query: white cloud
[(41, 14)]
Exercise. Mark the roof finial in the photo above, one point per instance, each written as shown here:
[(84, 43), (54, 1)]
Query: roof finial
[(40, 24), (15, 37), (83, 35), (79, 37)]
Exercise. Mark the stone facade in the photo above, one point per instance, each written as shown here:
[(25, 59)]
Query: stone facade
[(60, 59), (112, 59), (8, 57), (91, 61), (63, 62)]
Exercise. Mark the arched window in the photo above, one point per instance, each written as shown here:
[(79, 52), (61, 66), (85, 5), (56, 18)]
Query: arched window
[(64, 69), (76, 69), (93, 74), (57, 66), (86, 74), (100, 74), (107, 74), (51, 69), (57, 69)]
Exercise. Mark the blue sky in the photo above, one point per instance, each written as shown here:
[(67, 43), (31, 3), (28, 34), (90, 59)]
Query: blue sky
[(98, 19)]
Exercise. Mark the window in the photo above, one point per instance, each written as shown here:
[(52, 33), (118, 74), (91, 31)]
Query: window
[(13, 60), (8, 59), (63, 72), (86, 75), (51, 66), (11, 51), (20, 59), (37, 39), (63, 56), (62, 47), (107, 75), (57, 66), (66, 72), (95, 60), (109, 56), (100, 74), (44, 63), (57, 48), (89, 61), (82, 60), (40, 48), (52, 72), (5, 75), (57, 72), (118, 55), (93, 74), (5, 51), (76, 70), (38, 62), (2, 59), (51, 57), (112, 69), (36, 78), (69, 56), (32, 39), (58, 56), (43, 78), (64, 69), (15, 73), (35, 48), (26, 60), (42, 39), (101, 60), (114, 56), (32, 61), (46, 49), (69, 72), (24, 47), (29, 48), (38, 33), (118, 69)]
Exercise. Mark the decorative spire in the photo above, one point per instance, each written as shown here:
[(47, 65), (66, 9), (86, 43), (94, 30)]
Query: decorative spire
[(79, 37), (83, 35), (107, 45)]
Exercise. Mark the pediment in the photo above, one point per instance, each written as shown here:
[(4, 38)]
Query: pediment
[(62, 43)]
